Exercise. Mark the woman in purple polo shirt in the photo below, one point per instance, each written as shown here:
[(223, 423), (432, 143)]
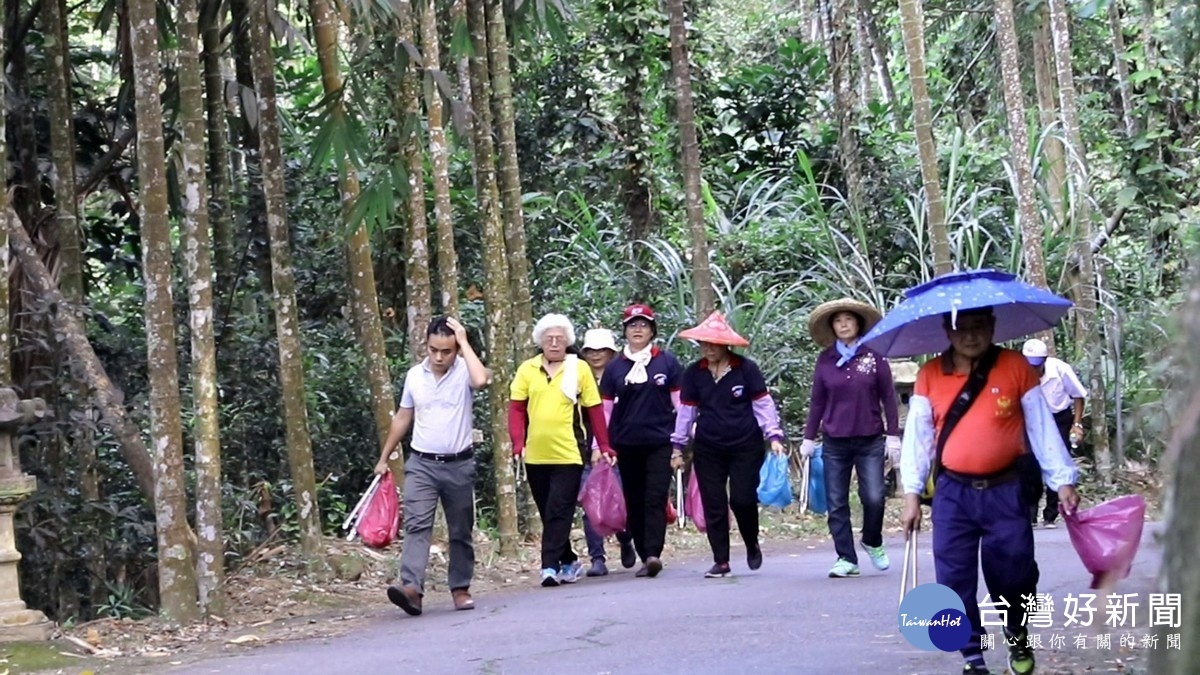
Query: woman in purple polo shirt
[(725, 396), (852, 393), (640, 390)]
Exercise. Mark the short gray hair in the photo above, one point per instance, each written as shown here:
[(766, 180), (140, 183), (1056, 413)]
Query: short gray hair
[(553, 321)]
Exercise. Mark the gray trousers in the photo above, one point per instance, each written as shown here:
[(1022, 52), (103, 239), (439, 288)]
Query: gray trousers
[(426, 481)]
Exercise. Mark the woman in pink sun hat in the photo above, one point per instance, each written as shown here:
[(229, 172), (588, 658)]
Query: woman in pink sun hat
[(726, 398)]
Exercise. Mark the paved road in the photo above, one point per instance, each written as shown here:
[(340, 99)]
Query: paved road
[(785, 618)]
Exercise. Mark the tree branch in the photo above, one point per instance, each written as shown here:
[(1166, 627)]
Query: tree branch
[(64, 317), (1109, 227), (17, 39), (98, 170)]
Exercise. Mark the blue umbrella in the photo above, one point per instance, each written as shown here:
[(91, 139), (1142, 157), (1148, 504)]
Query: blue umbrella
[(915, 326)]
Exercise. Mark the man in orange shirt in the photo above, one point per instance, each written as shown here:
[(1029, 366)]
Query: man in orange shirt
[(977, 502)]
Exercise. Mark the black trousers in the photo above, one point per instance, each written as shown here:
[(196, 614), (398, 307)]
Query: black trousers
[(735, 470), (646, 481), (555, 489), (1063, 419)]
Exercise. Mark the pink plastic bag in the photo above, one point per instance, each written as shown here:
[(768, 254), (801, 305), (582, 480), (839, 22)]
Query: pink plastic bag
[(692, 505), (381, 521), (1106, 537), (603, 501)]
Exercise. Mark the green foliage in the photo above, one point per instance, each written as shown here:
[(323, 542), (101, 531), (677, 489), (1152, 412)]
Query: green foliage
[(595, 119)]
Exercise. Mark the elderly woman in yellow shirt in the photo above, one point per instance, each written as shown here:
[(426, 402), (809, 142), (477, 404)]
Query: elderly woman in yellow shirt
[(549, 397)]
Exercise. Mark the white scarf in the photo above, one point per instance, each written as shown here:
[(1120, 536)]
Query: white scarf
[(570, 378), (641, 359)]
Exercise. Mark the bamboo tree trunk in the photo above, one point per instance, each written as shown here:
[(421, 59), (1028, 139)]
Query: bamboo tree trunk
[(283, 283), (841, 59), (639, 208), (70, 261), (417, 283), (497, 289), (67, 396), (1121, 67), (220, 207), (1014, 103), (364, 307), (1149, 63), (1179, 572), (880, 56), (510, 177), (1055, 176), (912, 26), (1087, 316), (176, 569), (861, 45), (625, 23), (705, 297), (62, 149), (198, 272), (439, 155), (458, 18)]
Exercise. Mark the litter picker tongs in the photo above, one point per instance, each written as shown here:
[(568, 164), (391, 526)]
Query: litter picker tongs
[(679, 517), (805, 463), (910, 563), (360, 510)]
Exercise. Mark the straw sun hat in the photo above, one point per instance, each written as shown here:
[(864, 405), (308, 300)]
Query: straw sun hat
[(819, 322)]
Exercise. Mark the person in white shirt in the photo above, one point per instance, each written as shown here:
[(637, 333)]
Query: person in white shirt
[(1064, 393), (436, 404)]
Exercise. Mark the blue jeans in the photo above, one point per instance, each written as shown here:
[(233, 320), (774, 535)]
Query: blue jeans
[(864, 454), (595, 543)]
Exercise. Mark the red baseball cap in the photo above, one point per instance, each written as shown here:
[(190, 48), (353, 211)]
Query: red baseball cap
[(637, 312)]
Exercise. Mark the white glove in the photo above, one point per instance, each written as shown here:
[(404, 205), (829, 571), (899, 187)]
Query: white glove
[(892, 443), (807, 448)]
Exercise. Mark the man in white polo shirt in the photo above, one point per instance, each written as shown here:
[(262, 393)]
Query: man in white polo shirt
[(436, 403), (1064, 393)]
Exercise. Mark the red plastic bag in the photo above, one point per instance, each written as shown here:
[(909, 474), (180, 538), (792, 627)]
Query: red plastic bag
[(672, 515), (381, 515), (692, 505), (1106, 537), (603, 501)]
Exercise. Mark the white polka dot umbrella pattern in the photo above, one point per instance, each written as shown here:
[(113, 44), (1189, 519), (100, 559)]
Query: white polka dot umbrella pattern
[(914, 327)]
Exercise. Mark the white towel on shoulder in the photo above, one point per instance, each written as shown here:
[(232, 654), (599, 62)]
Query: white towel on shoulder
[(641, 359), (570, 378)]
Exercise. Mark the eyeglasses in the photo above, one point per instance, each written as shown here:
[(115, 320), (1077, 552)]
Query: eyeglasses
[(554, 339), (638, 323)]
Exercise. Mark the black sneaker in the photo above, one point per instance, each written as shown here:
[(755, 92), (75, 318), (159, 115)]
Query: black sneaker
[(598, 568), (718, 571), (1020, 654), (972, 669), (628, 555), (754, 557), (653, 566)]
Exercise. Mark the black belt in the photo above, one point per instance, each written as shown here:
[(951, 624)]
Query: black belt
[(446, 458), (983, 482)]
